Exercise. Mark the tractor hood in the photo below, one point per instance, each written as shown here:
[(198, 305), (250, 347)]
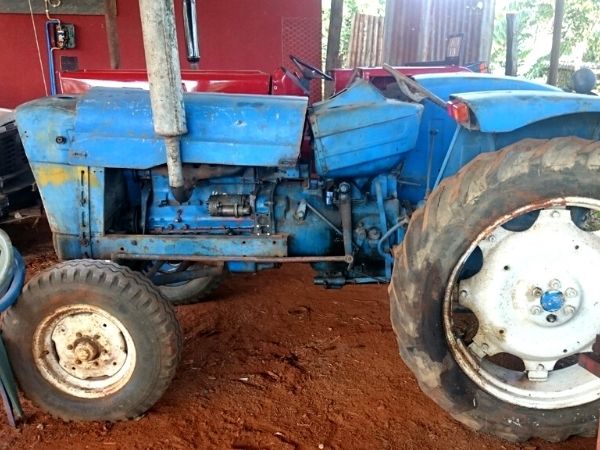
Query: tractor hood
[(505, 111)]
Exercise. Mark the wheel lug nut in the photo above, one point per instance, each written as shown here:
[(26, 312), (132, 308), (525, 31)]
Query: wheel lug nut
[(570, 292), (555, 284), (537, 292), (535, 310), (569, 309), (551, 318)]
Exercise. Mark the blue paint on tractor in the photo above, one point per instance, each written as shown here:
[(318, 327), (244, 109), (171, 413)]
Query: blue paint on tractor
[(254, 199), (552, 300)]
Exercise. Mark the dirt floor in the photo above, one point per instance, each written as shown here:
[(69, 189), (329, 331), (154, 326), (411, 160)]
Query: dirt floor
[(273, 362)]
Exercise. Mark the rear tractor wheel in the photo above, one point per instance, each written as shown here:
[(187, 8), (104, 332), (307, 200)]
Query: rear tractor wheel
[(188, 291), (91, 340), (495, 291)]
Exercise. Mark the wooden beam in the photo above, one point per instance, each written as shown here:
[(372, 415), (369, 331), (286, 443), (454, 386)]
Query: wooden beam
[(559, 12), (112, 34), (333, 40), (84, 7), (511, 45)]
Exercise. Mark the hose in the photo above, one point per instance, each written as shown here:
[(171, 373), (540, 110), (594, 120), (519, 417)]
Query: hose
[(6, 263), (12, 273), (385, 237)]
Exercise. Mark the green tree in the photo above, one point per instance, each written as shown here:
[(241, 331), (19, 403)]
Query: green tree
[(581, 29)]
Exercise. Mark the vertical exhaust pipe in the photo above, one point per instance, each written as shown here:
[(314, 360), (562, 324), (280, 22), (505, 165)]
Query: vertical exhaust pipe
[(192, 37), (166, 93)]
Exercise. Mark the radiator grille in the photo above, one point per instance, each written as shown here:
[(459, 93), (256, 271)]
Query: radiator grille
[(12, 154)]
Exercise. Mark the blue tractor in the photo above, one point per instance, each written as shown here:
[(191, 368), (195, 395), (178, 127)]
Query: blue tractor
[(476, 197)]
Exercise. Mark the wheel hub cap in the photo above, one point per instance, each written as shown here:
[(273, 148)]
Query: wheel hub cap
[(552, 301)]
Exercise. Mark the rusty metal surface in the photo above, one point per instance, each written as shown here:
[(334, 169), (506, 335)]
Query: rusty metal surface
[(591, 361), (417, 30), (255, 259)]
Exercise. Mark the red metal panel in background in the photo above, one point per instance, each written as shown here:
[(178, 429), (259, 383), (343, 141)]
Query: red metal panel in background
[(235, 34), (297, 38)]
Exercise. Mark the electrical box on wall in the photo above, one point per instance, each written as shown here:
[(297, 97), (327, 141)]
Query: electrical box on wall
[(64, 36)]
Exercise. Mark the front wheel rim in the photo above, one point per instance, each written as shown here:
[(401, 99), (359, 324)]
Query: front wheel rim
[(84, 351), (551, 302)]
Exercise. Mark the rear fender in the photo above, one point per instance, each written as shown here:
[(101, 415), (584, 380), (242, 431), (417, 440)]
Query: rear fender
[(507, 111)]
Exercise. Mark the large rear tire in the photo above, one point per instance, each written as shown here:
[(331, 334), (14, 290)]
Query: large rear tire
[(493, 291), (193, 291), (91, 340)]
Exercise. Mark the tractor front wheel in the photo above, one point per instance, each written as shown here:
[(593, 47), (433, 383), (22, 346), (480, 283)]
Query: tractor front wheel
[(91, 340), (495, 291)]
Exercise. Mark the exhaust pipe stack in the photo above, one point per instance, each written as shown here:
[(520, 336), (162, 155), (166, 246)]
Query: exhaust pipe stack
[(166, 93)]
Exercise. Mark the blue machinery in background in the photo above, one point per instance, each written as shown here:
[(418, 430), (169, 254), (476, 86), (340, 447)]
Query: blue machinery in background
[(12, 277)]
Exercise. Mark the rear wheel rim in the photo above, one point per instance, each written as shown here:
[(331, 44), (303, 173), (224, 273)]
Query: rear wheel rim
[(533, 300), (84, 351)]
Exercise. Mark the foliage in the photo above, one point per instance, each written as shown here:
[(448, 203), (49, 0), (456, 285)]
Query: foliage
[(580, 33), (351, 8)]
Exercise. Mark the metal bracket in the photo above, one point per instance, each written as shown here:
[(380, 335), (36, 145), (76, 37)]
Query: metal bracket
[(84, 212)]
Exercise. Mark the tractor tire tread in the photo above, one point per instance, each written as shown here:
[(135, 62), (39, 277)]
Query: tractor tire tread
[(447, 204)]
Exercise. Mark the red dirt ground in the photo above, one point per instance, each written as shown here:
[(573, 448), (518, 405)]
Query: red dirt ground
[(273, 362)]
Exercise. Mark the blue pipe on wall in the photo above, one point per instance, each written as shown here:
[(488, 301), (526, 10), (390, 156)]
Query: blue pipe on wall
[(50, 50)]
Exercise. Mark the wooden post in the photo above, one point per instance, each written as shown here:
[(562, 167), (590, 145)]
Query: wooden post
[(559, 12), (333, 40), (112, 34), (511, 45)]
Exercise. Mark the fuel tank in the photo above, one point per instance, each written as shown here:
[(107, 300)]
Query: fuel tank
[(361, 133)]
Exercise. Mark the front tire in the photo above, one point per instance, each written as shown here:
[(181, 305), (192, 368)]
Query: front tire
[(91, 340), (492, 291)]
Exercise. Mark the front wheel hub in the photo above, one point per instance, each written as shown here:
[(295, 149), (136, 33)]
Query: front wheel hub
[(84, 351)]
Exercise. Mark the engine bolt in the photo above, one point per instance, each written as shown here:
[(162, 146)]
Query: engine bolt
[(569, 309), (537, 292), (555, 284), (535, 310), (570, 292)]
